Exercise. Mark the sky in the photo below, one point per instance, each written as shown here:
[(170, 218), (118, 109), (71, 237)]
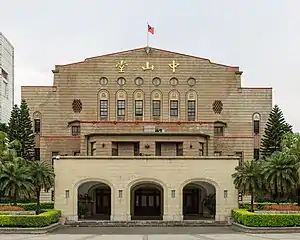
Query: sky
[(262, 37)]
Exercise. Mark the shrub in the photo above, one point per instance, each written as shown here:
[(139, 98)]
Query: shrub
[(242, 216), (28, 221), (11, 208), (268, 206), (32, 206)]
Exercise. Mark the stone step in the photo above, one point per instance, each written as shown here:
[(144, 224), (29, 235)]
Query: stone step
[(142, 223)]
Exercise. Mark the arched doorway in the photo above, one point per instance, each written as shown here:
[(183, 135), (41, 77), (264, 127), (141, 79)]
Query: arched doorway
[(146, 201), (198, 201), (94, 201)]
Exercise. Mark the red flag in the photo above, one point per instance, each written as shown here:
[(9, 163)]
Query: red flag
[(150, 29)]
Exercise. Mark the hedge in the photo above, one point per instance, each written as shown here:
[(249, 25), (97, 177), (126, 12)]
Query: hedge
[(244, 217), (30, 221), (32, 206)]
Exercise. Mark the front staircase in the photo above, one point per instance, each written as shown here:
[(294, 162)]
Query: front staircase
[(145, 223)]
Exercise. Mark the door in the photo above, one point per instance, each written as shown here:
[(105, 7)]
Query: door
[(191, 201), (103, 201)]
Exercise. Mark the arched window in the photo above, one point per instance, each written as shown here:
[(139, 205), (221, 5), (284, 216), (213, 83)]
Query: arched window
[(191, 105), (256, 123), (138, 105), (156, 108), (103, 98), (174, 104), (121, 105)]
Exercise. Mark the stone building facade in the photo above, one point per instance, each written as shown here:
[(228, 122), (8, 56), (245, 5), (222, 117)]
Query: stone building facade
[(146, 134)]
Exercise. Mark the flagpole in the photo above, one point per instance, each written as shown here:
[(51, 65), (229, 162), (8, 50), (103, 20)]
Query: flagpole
[(147, 35)]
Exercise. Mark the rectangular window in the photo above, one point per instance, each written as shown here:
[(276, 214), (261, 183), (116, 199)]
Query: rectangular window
[(191, 110), (103, 109), (174, 108), (157, 149), (53, 156), (138, 108), (37, 125), (37, 155), (93, 148), (219, 131), (256, 154), (179, 149), (121, 109), (75, 130), (241, 156), (201, 149), (156, 108), (256, 126)]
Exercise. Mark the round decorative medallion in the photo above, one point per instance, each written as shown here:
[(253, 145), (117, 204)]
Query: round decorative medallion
[(121, 95), (191, 82), (103, 81), (217, 106), (174, 95), (156, 95), (103, 95), (138, 81), (191, 96), (156, 81), (138, 95), (121, 81), (77, 105), (173, 81)]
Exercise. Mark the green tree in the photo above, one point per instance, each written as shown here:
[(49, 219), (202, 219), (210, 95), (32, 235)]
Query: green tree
[(26, 134), (16, 179), (280, 174), (13, 132), (43, 176), (276, 128), (248, 179)]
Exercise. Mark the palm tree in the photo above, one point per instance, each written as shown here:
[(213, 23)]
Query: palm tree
[(280, 173), (15, 178), (43, 178), (247, 179)]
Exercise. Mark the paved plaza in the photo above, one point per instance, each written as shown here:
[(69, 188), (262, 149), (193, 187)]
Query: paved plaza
[(195, 233)]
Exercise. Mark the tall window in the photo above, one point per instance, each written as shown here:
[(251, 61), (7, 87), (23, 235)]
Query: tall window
[(174, 108), (75, 130), (103, 109), (54, 155), (201, 149), (37, 155), (241, 156), (138, 108), (156, 108), (121, 109), (256, 153), (179, 149), (191, 110), (37, 125), (256, 126), (93, 148)]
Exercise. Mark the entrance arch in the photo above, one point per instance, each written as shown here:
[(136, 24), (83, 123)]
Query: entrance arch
[(198, 200), (94, 200), (146, 201)]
